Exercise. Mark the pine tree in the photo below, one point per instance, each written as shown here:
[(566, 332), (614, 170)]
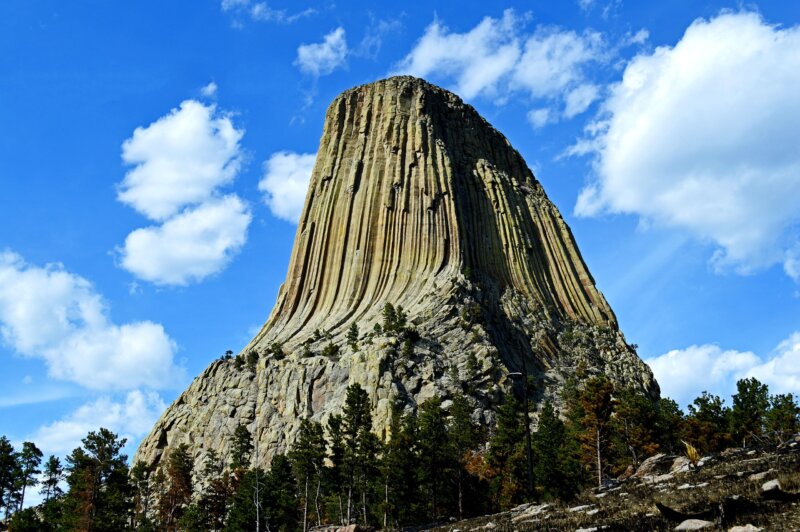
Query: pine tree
[(308, 457), (281, 507), (634, 426), (99, 493), (669, 425), (9, 473), (141, 481), (556, 465), (213, 502), (399, 469), (750, 405), (389, 318), (436, 455), (352, 337), (506, 456), (464, 434), (242, 514), (597, 405), (706, 426), (241, 448), (29, 459), (783, 417), (53, 475), (179, 486), (360, 449), (335, 474), (252, 360)]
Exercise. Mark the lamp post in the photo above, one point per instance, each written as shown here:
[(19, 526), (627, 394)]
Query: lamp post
[(524, 375)]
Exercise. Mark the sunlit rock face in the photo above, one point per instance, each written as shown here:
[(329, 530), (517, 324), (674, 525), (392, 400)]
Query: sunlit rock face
[(416, 201)]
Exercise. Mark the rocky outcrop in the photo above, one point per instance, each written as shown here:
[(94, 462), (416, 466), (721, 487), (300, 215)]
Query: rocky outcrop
[(416, 201)]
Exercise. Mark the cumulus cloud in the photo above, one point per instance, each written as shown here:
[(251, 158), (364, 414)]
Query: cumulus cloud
[(189, 246), (210, 90), (181, 161), (684, 373), (498, 58), (319, 59), (52, 314), (285, 183), (130, 418), (702, 136), (541, 117)]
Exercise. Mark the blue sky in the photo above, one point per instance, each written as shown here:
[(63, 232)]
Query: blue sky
[(154, 156)]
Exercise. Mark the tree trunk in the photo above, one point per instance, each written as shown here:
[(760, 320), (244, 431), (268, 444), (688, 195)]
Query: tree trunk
[(599, 459), (364, 505), (385, 503), (316, 500), (305, 506), (349, 502), (460, 493)]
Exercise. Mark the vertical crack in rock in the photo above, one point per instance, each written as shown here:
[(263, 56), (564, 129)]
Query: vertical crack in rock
[(415, 200)]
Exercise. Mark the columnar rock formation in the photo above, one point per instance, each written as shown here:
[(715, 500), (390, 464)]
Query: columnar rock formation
[(416, 201)]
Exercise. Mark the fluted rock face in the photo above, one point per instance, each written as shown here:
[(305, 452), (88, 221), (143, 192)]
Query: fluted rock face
[(415, 200)]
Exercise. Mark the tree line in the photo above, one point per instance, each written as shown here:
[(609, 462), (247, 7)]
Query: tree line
[(432, 464)]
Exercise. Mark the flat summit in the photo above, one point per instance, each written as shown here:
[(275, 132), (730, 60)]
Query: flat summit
[(418, 203)]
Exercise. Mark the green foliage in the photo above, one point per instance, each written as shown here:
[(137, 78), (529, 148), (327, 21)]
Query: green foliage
[(360, 451), (407, 351), (555, 457), (252, 360), (394, 319), (470, 314), (634, 426), (330, 350), (241, 448), (28, 520), (437, 458), (308, 460), (276, 350), (506, 455), (352, 337), (179, 486), (99, 492), (783, 418), (238, 362), (53, 474), (707, 424), (597, 405), (247, 508), (749, 412)]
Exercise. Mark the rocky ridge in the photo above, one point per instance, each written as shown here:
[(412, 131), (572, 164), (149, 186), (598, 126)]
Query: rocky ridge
[(416, 201)]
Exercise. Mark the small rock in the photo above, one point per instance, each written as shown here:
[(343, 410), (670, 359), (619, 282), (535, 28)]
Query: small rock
[(701, 485), (592, 529), (685, 486), (600, 495), (771, 485), (745, 528), (694, 524), (581, 508), (593, 512), (489, 525), (750, 453), (759, 476), (680, 464)]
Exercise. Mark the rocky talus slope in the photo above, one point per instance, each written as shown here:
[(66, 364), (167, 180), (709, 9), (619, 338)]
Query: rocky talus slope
[(415, 200)]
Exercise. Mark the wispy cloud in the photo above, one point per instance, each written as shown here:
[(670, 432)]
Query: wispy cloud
[(319, 59)]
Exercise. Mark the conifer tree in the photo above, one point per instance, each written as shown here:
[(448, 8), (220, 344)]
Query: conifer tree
[(360, 449), (783, 417), (281, 505), (400, 466), (99, 492), (436, 454), (307, 457), (556, 465), (506, 456), (352, 337), (242, 514), (597, 405), (464, 434), (53, 474), (336, 472), (634, 425), (669, 425), (179, 486), (241, 448), (9, 472), (141, 480), (213, 502), (706, 426), (29, 460), (750, 405)]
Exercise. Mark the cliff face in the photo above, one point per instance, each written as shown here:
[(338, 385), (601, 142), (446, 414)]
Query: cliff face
[(415, 200)]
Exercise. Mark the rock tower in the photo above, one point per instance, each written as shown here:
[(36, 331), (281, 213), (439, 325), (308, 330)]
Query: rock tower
[(417, 202)]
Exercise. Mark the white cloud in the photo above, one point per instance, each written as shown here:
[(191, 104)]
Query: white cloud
[(180, 159), (131, 418), (57, 316), (319, 59), (210, 90), (702, 136), (262, 11), (541, 117), (684, 373), (189, 246), (497, 58), (580, 98), (285, 183), (477, 60)]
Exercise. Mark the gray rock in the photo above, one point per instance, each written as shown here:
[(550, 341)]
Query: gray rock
[(694, 524)]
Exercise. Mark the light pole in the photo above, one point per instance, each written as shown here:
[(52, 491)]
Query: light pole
[(524, 375)]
